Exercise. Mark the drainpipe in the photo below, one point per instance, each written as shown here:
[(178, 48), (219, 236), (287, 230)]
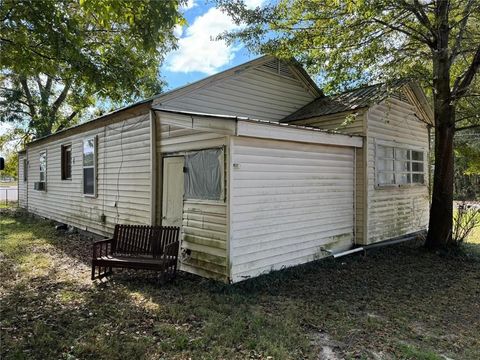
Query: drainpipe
[(379, 244)]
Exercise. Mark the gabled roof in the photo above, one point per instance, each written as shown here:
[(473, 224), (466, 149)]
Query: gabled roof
[(360, 98), (157, 99), (294, 64)]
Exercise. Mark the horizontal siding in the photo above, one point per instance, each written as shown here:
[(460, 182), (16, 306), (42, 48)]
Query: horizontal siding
[(339, 122), (22, 185), (204, 233), (394, 212), (288, 202), (252, 93), (204, 226), (123, 178)]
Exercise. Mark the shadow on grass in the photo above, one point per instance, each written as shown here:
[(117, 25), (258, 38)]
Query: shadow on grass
[(369, 305)]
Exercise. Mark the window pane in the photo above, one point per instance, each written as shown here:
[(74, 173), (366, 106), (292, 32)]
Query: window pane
[(384, 152), (417, 155), (385, 178), (42, 176), (88, 152), (25, 169), (89, 181), (203, 176), (418, 178), (402, 178), (402, 154), (402, 166), (43, 162), (385, 165), (417, 166), (68, 164)]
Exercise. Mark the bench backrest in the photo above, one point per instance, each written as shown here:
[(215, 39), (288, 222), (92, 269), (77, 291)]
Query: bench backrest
[(143, 239)]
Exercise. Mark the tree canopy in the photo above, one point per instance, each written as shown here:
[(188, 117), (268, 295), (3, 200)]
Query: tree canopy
[(351, 43), (59, 56), (436, 42)]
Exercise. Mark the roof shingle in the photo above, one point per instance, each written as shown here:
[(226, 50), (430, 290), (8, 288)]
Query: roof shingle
[(347, 101)]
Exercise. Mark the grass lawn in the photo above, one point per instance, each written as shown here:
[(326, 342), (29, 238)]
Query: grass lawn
[(396, 303)]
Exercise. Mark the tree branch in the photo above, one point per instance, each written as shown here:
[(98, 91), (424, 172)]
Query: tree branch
[(420, 38), (463, 82), (468, 127), (28, 95), (463, 26), (61, 98)]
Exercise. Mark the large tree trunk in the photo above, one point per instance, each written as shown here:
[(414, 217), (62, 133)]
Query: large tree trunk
[(441, 212)]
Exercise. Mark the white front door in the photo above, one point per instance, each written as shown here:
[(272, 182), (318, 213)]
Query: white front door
[(172, 203)]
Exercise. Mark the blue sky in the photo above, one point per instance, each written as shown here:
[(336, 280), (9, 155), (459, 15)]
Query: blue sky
[(198, 56)]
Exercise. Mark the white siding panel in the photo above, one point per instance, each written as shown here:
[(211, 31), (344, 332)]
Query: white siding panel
[(204, 227), (252, 93), (396, 211), (286, 212), (355, 126), (123, 178)]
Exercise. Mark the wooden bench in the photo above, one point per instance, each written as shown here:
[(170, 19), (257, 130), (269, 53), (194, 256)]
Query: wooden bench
[(137, 247)]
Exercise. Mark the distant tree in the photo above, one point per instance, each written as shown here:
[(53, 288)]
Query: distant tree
[(11, 165), (350, 42), (59, 56)]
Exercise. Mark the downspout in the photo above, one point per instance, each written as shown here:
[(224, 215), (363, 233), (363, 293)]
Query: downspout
[(153, 167), (429, 129), (398, 240), (354, 196)]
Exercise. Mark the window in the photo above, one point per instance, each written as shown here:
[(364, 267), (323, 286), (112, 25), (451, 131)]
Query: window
[(399, 166), (89, 163), (25, 169), (66, 159), (43, 167), (203, 174)]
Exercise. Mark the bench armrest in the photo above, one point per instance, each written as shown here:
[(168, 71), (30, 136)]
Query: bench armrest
[(172, 249), (102, 247)]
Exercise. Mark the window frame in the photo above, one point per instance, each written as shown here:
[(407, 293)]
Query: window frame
[(65, 148), (25, 169), (44, 172), (94, 166), (410, 172)]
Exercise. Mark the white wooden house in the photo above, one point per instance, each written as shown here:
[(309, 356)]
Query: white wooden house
[(257, 166)]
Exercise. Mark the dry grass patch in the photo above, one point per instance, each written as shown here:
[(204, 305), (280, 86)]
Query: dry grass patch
[(396, 303)]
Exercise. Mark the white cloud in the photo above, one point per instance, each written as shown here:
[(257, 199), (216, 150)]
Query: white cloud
[(188, 5), (197, 48), (253, 3)]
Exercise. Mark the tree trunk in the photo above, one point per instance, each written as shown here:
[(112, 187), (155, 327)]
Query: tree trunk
[(441, 212)]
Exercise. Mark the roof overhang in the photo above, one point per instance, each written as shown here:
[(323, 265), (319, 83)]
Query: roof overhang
[(244, 126)]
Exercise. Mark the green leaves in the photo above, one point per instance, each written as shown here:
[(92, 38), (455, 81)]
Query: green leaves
[(107, 49), (354, 42)]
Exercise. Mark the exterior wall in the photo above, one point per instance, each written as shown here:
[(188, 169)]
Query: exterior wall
[(123, 177), (204, 230), (395, 211), (22, 185), (288, 203), (252, 93), (339, 122)]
